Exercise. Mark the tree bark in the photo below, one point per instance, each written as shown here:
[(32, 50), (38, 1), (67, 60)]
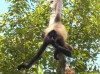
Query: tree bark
[(53, 12)]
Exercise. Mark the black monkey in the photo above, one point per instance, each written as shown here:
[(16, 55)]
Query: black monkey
[(56, 41), (59, 45)]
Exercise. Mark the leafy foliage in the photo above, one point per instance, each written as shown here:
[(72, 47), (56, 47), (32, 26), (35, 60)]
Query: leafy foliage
[(23, 24)]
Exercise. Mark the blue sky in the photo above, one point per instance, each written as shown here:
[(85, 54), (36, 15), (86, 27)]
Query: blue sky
[(4, 8)]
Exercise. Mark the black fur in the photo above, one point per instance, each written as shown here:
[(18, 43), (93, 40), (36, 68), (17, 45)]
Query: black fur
[(60, 47), (56, 42), (34, 59), (54, 39)]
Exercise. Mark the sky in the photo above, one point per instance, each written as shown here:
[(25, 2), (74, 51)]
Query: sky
[(4, 8)]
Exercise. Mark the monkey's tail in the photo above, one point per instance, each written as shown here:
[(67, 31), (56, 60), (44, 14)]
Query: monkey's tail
[(58, 11)]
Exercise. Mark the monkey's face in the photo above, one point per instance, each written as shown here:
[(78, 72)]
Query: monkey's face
[(52, 34), (50, 37)]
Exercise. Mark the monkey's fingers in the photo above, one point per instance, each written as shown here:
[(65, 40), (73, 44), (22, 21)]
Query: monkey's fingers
[(69, 47)]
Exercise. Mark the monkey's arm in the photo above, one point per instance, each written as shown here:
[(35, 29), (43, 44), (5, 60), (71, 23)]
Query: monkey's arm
[(40, 52)]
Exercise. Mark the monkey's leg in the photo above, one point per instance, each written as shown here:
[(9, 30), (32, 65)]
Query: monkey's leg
[(42, 48), (62, 49)]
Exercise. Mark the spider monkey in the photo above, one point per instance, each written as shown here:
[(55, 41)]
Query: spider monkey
[(55, 35)]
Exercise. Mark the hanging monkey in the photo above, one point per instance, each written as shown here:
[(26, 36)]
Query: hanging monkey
[(55, 35)]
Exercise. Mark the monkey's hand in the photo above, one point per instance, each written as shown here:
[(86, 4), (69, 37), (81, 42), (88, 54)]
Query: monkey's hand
[(21, 66), (69, 47)]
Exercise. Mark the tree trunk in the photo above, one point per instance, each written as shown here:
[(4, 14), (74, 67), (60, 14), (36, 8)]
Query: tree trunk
[(54, 11)]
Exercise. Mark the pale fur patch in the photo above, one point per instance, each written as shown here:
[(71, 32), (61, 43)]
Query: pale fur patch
[(59, 28)]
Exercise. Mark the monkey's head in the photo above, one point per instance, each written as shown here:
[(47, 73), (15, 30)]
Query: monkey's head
[(50, 37), (52, 34)]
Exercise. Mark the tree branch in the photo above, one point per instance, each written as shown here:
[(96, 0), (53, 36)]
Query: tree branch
[(55, 8)]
